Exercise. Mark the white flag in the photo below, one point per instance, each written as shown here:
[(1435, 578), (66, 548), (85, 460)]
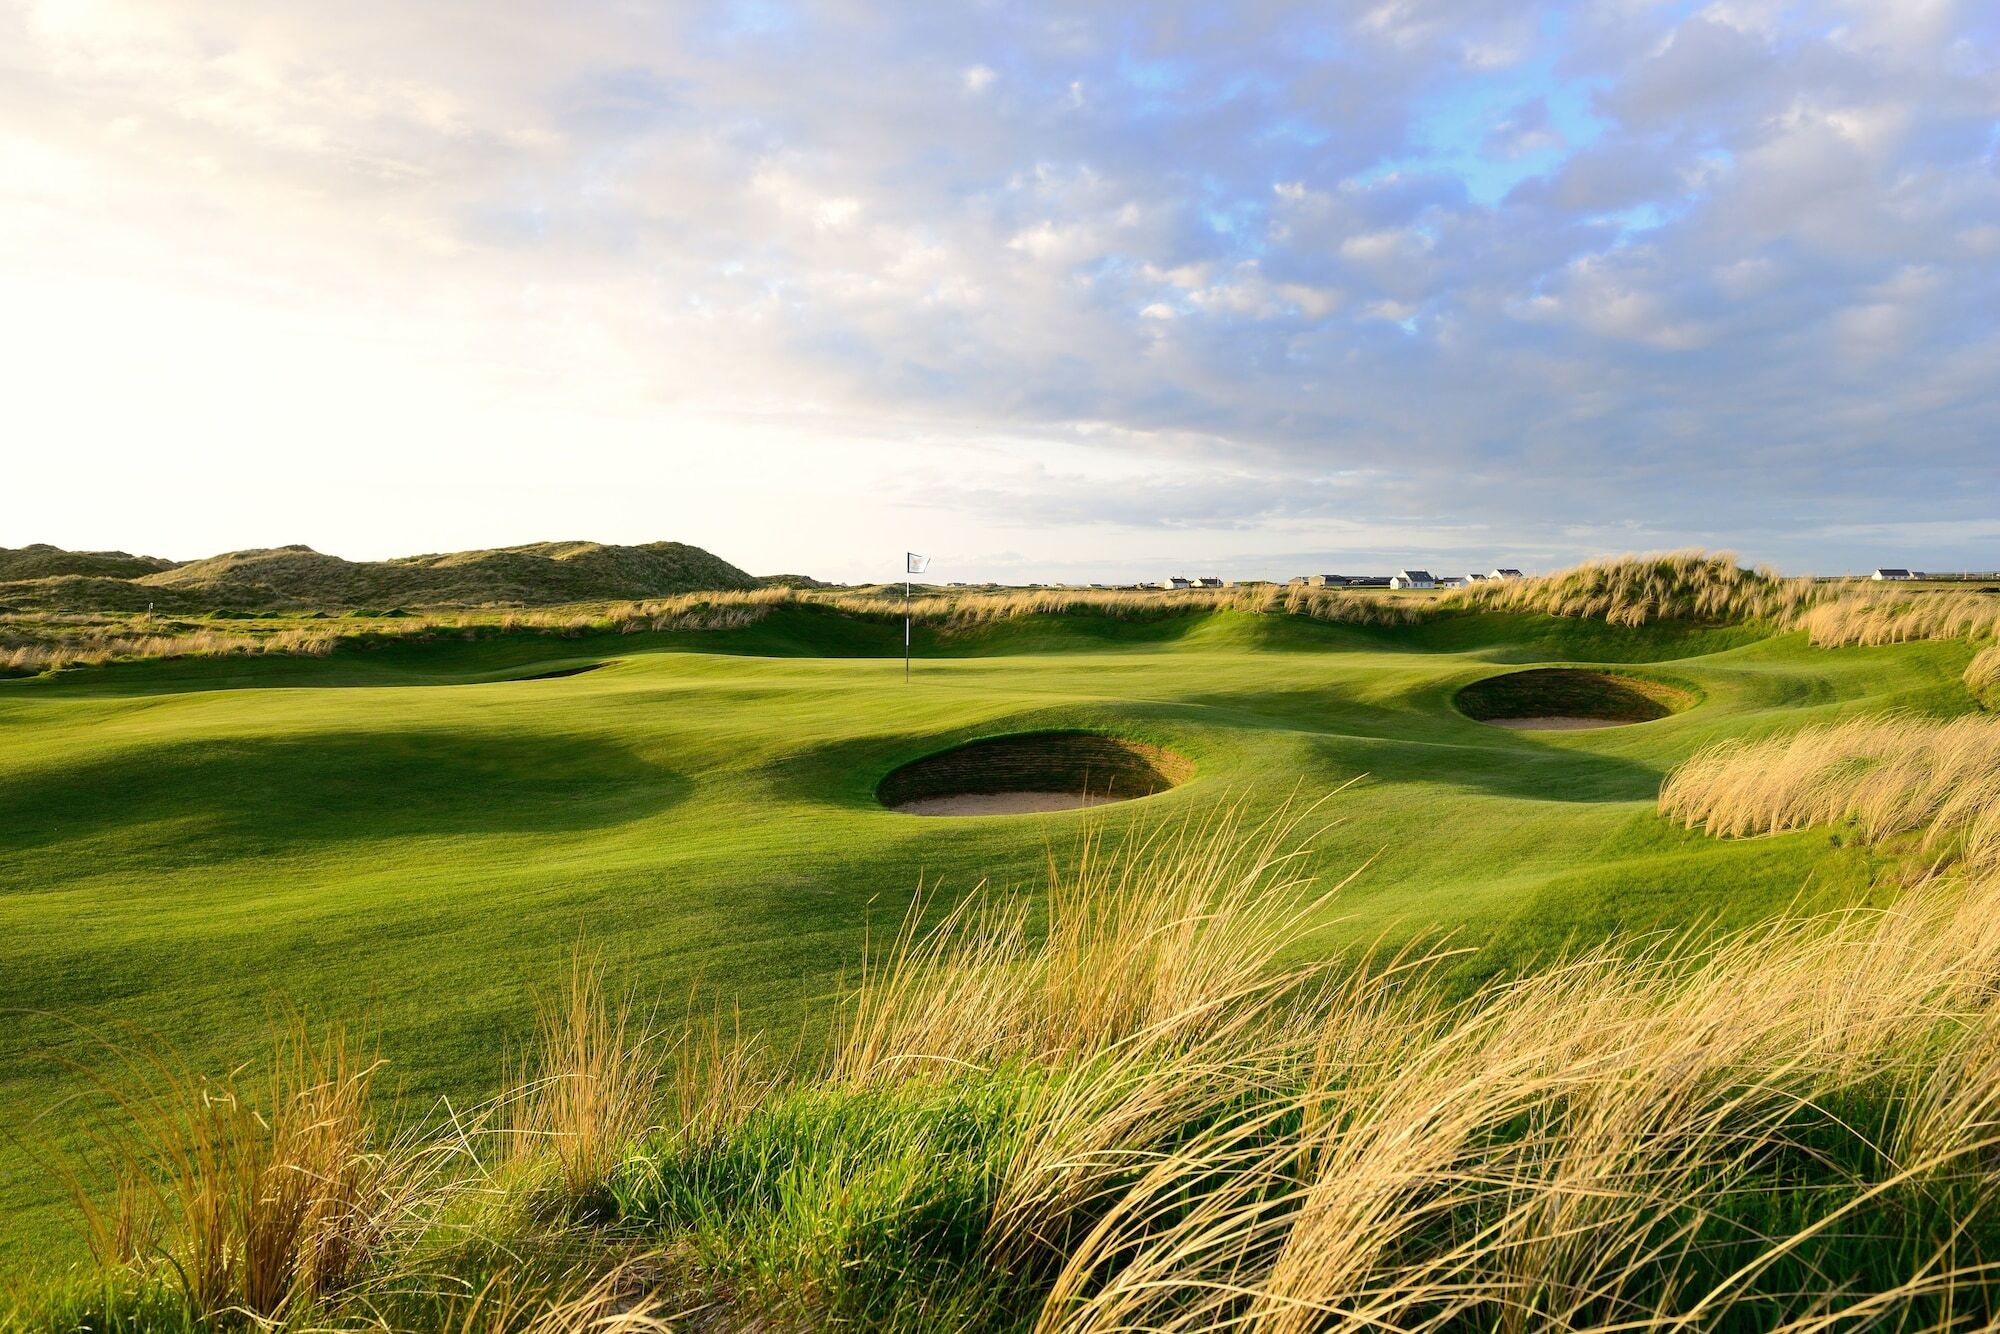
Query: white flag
[(915, 564)]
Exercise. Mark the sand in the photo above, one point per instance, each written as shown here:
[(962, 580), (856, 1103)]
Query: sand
[(1002, 803), (1553, 724)]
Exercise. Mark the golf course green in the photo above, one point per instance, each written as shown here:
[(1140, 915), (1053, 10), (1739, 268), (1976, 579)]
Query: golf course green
[(415, 837)]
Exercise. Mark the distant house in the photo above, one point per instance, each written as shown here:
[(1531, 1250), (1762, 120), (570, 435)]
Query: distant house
[(1371, 581), (1889, 573), (1503, 573), (1412, 579), (1176, 582), (1208, 581), (1453, 580), (1327, 580)]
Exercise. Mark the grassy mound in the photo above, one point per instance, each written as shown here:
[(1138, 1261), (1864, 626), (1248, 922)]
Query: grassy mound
[(38, 560), (297, 577), (1571, 692), (543, 573), (1039, 762), (1693, 586)]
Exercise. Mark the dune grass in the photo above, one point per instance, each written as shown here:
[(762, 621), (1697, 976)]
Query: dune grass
[(1982, 676), (1886, 776), (1864, 613), (1684, 588), (1692, 585)]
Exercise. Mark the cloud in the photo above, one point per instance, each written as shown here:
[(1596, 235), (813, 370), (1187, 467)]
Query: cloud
[(1573, 274)]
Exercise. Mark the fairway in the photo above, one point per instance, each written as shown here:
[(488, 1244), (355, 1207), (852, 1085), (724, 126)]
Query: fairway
[(416, 837)]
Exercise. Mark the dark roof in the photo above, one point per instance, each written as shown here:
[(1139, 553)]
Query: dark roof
[(1417, 574)]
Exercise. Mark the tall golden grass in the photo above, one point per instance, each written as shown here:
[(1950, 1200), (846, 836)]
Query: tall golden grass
[(261, 1194), (96, 647), (1634, 590), (1558, 1153), (591, 1088), (1863, 613), (1888, 776), (1982, 675)]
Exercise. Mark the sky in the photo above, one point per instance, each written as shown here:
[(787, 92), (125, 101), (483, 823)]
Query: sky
[(1062, 292)]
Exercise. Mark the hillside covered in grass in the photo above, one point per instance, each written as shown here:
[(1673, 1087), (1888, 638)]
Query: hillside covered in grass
[(299, 578)]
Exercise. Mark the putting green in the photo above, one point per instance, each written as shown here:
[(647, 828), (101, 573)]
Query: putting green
[(415, 837)]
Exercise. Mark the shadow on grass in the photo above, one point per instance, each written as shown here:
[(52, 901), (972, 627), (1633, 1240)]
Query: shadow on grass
[(331, 787), (1427, 742)]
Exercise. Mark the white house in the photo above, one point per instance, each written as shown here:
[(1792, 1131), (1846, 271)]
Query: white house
[(1412, 579), (1176, 582), (1453, 581), (1208, 581), (1503, 573), (1888, 573)]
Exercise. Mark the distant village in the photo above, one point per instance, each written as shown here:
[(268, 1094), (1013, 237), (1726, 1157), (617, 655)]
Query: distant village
[(1417, 579), (1400, 579)]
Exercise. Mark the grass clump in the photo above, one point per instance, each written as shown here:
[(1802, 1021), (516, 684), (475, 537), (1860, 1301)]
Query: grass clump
[(1888, 776), (1692, 586), (1982, 676), (252, 1194), (591, 1089), (1864, 613)]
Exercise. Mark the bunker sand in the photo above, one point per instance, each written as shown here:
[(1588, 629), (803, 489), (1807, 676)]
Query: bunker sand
[(1004, 803)]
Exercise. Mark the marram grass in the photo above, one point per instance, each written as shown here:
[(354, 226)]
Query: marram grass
[(1133, 1112), (1888, 776), (1688, 587)]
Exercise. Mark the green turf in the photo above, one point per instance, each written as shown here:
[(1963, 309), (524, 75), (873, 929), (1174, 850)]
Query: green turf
[(413, 837)]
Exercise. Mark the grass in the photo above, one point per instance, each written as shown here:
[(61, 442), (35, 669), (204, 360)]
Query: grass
[(1693, 586), (1143, 1117), (1885, 776), (1886, 614), (407, 834), (1982, 676), (410, 833)]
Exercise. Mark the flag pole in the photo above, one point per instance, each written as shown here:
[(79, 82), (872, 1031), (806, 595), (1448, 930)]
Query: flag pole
[(912, 564)]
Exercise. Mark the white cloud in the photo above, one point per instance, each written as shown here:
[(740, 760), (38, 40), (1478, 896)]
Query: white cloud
[(628, 243)]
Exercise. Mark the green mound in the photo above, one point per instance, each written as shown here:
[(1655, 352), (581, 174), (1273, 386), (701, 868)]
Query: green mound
[(1081, 762), (1572, 693), (297, 577), (38, 560)]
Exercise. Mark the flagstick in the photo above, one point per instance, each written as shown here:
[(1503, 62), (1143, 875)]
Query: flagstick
[(906, 622)]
